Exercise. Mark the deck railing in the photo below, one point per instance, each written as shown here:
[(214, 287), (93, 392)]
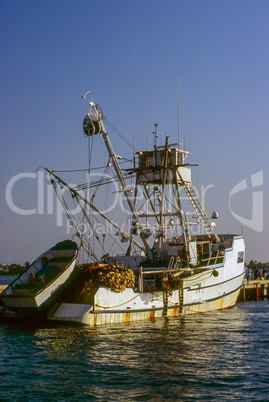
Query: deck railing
[(213, 258)]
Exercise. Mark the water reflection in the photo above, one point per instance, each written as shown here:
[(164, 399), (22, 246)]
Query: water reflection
[(184, 358)]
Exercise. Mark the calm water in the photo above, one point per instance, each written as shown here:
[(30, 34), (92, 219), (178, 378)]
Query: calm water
[(212, 356)]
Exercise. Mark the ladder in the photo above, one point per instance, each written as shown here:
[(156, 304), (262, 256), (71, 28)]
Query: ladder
[(199, 209), (156, 201)]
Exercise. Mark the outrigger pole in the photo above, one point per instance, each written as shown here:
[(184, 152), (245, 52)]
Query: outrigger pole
[(73, 192)]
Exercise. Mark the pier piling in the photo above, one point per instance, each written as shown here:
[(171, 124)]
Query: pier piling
[(254, 290)]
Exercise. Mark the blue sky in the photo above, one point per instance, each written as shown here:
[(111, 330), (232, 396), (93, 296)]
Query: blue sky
[(129, 54)]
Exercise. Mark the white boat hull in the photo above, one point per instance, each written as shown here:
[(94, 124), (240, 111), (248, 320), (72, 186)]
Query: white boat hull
[(85, 314), (199, 293)]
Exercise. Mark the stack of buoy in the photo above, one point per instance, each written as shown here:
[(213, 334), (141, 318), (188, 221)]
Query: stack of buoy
[(115, 277)]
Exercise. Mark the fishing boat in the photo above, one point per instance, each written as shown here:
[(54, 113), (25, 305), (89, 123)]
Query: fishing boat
[(171, 260), (41, 283)]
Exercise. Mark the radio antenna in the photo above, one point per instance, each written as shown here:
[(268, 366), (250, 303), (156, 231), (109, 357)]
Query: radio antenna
[(178, 112)]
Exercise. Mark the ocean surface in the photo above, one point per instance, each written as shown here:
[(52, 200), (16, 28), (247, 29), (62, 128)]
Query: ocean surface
[(216, 356)]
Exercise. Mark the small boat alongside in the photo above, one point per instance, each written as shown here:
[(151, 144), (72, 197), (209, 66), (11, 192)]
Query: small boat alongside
[(39, 285)]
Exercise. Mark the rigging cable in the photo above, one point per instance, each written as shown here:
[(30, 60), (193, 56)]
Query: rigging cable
[(70, 216), (208, 206), (120, 135), (66, 208), (106, 180), (92, 168), (85, 244)]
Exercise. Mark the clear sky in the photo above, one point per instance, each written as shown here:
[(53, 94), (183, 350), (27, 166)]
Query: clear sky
[(129, 54)]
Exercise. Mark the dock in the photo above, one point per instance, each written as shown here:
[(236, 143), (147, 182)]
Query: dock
[(254, 289)]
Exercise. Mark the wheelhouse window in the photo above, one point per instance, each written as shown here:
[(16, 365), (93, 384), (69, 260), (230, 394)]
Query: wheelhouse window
[(240, 257)]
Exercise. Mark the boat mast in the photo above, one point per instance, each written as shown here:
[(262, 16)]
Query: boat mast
[(181, 219), (136, 225), (178, 112), (161, 224)]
